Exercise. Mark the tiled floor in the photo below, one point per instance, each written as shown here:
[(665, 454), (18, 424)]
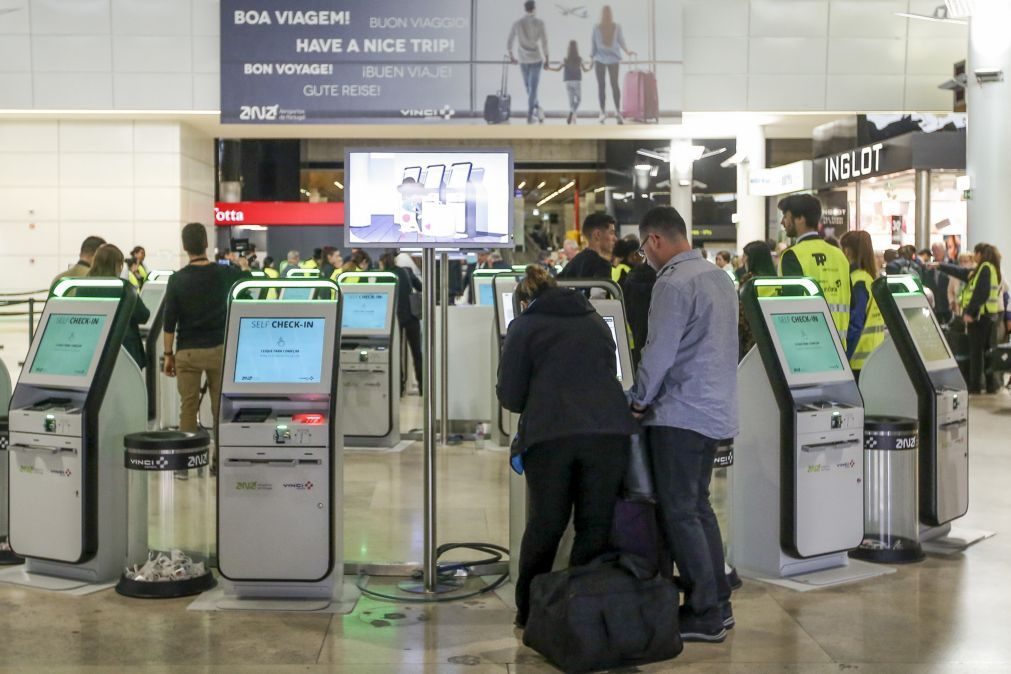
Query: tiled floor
[(948, 614)]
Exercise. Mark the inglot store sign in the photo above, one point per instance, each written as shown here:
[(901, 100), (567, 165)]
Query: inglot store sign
[(917, 150)]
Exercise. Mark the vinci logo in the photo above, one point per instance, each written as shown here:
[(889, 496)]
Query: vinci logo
[(301, 486), (445, 112), (254, 112)]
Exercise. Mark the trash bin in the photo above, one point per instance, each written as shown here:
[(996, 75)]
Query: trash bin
[(891, 508), (168, 508), (7, 555)]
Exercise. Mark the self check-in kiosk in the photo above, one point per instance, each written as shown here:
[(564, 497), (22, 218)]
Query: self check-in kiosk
[(612, 309), (162, 393), (369, 359), (797, 481), (79, 393), (298, 292), (914, 374), (280, 443), (481, 291)]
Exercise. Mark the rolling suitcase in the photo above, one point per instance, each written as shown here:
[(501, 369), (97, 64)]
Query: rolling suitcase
[(640, 100), (498, 107)]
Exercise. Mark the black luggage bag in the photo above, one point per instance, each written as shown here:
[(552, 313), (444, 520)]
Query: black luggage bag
[(999, 358), (498, 107), (614, 612)]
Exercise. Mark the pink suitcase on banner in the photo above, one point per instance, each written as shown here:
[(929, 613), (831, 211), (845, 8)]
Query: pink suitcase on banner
[(640, 100)]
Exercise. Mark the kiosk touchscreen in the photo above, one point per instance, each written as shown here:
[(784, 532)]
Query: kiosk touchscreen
[(481, 290), (370, 359), (280, 446), (797, 484), (914, 374), (79, 393), (162, 394)]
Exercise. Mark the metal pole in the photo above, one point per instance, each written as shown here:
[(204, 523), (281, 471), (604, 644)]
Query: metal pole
[(428, 401), (444, 348), (856, 207), (921, 232), (31, 319)]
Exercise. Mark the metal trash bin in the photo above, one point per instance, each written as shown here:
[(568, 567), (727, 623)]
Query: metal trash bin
[(7, 555), (891, 506), (169, 506)]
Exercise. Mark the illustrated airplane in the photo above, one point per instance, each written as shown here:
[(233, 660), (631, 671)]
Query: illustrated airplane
[(578, 12)]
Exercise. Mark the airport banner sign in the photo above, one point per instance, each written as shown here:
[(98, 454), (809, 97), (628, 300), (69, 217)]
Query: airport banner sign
[(382, 61), (246, 213)]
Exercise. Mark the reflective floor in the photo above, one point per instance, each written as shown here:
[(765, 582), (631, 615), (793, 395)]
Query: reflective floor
[(948, 614)]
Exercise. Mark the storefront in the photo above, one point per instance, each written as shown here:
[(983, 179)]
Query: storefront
[(902, 191)]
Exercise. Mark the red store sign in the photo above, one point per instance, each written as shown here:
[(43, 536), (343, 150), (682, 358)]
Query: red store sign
[(278, 213)]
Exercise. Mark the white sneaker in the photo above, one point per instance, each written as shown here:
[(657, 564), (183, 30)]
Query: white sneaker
[(540, 114), (602, 118), (621, 120)]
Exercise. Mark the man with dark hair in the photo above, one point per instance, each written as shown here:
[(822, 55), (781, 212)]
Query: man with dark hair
[(686, 395), (595, 260), (315, 262), (84, 259), (811, 256), (195, 306), (532, 38)]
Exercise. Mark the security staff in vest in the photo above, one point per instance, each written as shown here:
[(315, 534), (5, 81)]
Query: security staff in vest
[(84, 259), (866, 331), (195, 306), (139, 254), (811, 256), (686, 395), (980, 308)]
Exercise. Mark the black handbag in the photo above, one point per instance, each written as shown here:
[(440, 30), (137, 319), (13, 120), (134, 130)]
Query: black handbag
[(414, 300), (613, 612)]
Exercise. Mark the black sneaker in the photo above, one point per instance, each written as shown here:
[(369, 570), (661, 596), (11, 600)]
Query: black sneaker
[(705, 628), (734, 580), (727, 613)]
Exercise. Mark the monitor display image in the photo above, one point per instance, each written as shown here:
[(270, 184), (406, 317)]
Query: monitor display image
[(279, 350), (151, 296), (614, 335), (806, 341), (485, 293), (925, 333), (297, 294), (383, 206), (507, 308), (364, 311), (69, 343)]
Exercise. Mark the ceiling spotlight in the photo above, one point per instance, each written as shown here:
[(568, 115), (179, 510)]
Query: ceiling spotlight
[(986, 75), (522, 184), (734, 160), (338, 185), (542, 184), (643, 167), (602, 189)]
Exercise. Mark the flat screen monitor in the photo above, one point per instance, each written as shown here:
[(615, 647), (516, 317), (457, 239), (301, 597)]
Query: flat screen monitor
[(926, 334), (485, 292), (297, 294), (459, 174), (279, 350), (807, 343), (434, 176), (382, 210), (364, 311), (412, 172), (609, 320), (69, 343)]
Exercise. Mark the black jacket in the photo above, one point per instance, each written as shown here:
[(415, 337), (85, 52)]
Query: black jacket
[(638, 290), (407, 283), (982, 292), (558, 370), (132, 341), (587, 264)]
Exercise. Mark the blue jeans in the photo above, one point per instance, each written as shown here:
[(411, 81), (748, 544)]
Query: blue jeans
[(682, 462), (531, 80)]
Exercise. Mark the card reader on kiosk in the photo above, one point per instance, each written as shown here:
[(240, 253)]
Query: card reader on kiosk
[(797, 482), (79, 393), (914, 374), (370, 359), (162, 393), (280, 472), (612, 310)]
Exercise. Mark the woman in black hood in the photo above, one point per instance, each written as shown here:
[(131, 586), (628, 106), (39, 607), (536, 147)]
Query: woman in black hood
[(558, 371)]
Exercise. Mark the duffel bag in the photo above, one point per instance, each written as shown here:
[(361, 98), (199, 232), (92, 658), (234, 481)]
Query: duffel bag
[(613, 612)]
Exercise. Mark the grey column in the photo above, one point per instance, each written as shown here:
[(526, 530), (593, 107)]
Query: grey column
[(921, 232)]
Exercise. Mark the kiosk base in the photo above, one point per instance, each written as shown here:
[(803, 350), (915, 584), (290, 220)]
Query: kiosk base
[(39, 580), (220, 599), (948, 540), (851, 572)]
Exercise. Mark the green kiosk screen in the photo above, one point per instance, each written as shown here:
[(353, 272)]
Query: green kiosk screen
[(925, 333), (807, 343), (68, 345)]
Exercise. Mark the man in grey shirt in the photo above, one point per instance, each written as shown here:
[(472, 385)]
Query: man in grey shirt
[(531, 37), (686, 395)]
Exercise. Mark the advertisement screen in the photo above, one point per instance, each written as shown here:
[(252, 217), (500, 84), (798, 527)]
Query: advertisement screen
[(364, 311), (929, 340), (279, 350), (69, 343), (806, 340), (614, 335), (386, 205)]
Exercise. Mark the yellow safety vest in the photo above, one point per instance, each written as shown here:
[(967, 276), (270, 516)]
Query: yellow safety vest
[(992, 305), (134, 281), (830, 267), (873, 333), (309, 264), (271, 273), (617, 271), (141, 272)]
